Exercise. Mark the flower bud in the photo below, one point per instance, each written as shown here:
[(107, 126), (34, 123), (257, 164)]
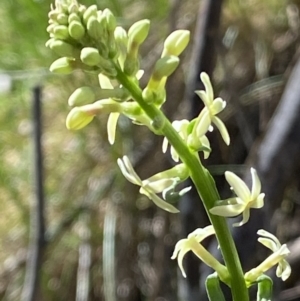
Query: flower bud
[(110, 20), (138, 32), (51, 27), (61, 48), (61, 32), (82, 9), (78, 118), (164, 67), (90, 56), (63, 65), (73, 8), (62, 19), (82, 95), (73, 17), (76, 30), (91, 11), (121, 40), (176, 42), (94, 28)]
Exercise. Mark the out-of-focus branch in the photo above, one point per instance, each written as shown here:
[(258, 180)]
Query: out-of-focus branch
[(37, 230), (84, 261)]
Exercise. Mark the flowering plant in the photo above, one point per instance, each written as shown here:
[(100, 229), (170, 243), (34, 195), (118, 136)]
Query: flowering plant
[(89, 39)]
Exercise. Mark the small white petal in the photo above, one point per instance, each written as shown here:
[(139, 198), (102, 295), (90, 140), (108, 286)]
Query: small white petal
[(165, 145), (222, 129), (200, 234), (228, 210), (158, 201), (208, 87), (256, 185), (127, 175), (269, 235), (184, 190), (238, 185), (111, 127), (203, 95), (246, 215), (283, 270), (270, 244), (174, 154), (139, 74), (259, 202), (105, 82), (217, 106), (203, 124), (158, 185)]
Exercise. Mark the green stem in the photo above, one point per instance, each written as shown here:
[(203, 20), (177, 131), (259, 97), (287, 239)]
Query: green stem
[(205, 186)]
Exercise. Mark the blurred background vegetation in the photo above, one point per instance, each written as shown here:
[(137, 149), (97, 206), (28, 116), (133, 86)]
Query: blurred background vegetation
[(103, 240)]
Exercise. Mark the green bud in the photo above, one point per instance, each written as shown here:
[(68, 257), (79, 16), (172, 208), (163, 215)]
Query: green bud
[(82, 95), (62, 19), (213, 289), (90, 56), (73, 8), (157, 96), (51, 27), (53, 15), (62, 48), (78, 118), (63, 65), (164, 67), (76, 30), (48, 43), (74, 17), (94, 28), (176, 42), (82, 9), (138, 32), (91, 11), (121, 40), (61, 32), (110, 20)]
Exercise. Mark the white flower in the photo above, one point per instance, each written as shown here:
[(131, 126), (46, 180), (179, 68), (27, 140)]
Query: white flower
[(211, 109), (161, 182), (193, 243), (280, 252), (244, 200)]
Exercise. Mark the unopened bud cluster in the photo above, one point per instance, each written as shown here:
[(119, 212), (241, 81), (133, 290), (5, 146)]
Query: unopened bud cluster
[(89, 39)]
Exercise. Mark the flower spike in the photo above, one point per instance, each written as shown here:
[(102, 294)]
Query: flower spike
[(244, 200)]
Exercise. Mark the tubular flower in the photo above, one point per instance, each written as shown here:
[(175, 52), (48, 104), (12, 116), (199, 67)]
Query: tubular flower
[(280, 252), (193, 243), (244, 200), (212, 108), (161, 182)]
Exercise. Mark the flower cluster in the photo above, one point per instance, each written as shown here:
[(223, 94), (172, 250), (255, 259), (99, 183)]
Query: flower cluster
[(89, 39)]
